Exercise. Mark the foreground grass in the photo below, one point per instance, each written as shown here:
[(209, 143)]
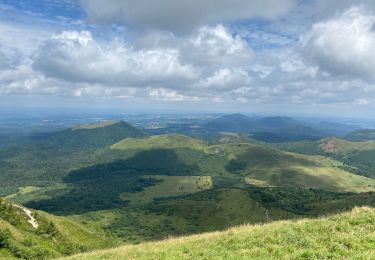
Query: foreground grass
[(348, 235)]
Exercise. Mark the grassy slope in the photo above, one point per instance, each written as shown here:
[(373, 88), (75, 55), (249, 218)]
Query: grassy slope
[(278, 168), (348, 235), (94, 192), (357, 155), (170, 141), (345, 146), (272, 166), (169, 186), (227, 203), (55, 236), (342, 146)]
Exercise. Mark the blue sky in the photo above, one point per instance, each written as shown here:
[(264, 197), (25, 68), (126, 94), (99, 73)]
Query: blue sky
[(292, 56)]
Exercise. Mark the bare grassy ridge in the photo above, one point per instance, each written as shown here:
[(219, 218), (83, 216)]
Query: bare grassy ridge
[(169, 141), (349, 235), (337, 145), (100, 124)]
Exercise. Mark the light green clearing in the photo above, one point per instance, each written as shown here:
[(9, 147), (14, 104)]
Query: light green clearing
[(168, 186), (23, 191), (171, 141), (256, 182), (100, 124)]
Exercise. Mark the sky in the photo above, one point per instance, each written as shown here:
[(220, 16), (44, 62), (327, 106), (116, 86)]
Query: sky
[(294, 56)]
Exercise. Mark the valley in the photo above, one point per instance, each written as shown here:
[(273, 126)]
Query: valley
[(201, 130), (130, 186)]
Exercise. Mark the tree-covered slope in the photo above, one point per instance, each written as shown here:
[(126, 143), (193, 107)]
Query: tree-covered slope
[(93, 135), (344, 236), (232, 123), (361, 135), (268, 129), (50, 158)]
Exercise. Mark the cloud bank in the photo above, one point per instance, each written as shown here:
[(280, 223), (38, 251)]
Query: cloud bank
[(207, 53), (239, 53), (181, 16), (343, 45)]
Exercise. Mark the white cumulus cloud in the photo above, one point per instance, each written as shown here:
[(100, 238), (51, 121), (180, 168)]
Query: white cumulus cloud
[(343, 45), (170, 95), (210, 55), (77, 57), (216, 47)]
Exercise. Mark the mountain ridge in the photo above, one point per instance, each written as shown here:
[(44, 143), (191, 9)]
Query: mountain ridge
[(274, 129), (361, 135)]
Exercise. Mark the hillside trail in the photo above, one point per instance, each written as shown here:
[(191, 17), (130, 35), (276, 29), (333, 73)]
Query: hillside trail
[(30, 215)]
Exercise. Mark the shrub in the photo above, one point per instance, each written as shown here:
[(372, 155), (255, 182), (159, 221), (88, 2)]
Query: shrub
[(4, 238), (47, 230), (9, 213)]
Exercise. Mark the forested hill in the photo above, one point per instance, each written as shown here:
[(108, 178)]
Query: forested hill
[(94, 135)]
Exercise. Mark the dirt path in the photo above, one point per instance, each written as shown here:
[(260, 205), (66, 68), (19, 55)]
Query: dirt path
[(30, 215)]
